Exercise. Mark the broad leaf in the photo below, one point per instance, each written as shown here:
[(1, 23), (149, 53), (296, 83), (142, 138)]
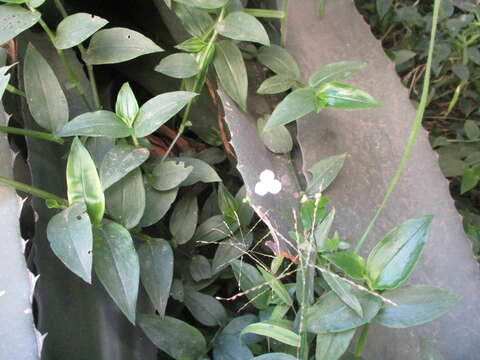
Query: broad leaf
[(416, 305), (196, 21), (295, 106), (71, 239), (241, 26), (175, 337), (117, 45), (83, 183), (338, 71), (231, 71), (275, 84), (119, 161), (214, 229), (200, 268), (76, 28), (116, 265), (277, 286), (157, 111), (201, 171), (125, 200), (46, 99), (350, 263), (331, 315), (227, 203), (170, 174), (323, 173), (321, 231), (275, 356), (14, 20), (205, 308), (178, 66), (157, 203), (156, 271), (277, 59), (333, 346), (231, 347), (249, 278), (392, 260), (275, 331), (97, 123), (345, 97), (278, 140), (231, 249), (183, 221), (126, 106), (383, 6), (343, 291)]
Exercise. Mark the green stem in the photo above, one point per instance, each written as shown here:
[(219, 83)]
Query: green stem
[(135, 141), (321, 7), (283, 23), (361, 340), (32, 133), (91, 74), (33, 191), (265, 13), (413, 132), (13, 90)]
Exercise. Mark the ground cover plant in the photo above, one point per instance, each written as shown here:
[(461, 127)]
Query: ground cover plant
[(154, 201)]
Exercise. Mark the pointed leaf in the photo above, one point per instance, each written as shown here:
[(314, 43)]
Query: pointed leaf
[(277, 59), (170, 174), (46, 99), (156, 271), (214, 229), (338, 71), (333, 346), (201, 172), (117, 45), (126, 106), (71, 239), (277, 286), (157, 111), (183, 221), (14, 20), (272, 330), (116, 265), (352, 264), (343, 291), (178, 66), (157, 203), (200, 268), (383, 6), (97, 123), (205, 308), (83, 183), (345, 97), (323, 173), (196, 21), (248, 278), (229, 250), (278, 140), (76, 28), (241, 26), (322, 230), (275, 84)]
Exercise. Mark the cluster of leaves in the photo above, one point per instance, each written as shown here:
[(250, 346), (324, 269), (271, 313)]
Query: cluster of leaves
[(452, 115), (133, 217)]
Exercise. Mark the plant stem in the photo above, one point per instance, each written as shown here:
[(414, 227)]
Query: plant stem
[(265, 13), (13, 90), (321, 7), (32, 190), (32, 133), (413, 132), (361, 340), (81, 48), (135, 141), (283, 23)]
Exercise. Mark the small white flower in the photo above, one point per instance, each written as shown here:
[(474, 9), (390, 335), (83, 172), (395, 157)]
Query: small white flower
[(268, 184)]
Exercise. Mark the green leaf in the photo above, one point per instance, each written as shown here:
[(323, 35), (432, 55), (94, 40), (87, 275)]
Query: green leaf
[(321, 231), (241, 26), (231, 71), (312, 212), (170, 174), (323, 173), (71, 239), (196, 21), (273, 330), (416, 305), (428, 350), (275, 356), (119, 161), (116, 265), (156, 271), (117, 45), (331, 315), (35, 3), (157, 203), (229, 250), (392, 260), (248, 278), (383, 6), (350, 263), (275, 84), (202, 172), (296, 105), (278, 140), (204, 4), (157, 111), (333, 346), (277, 286), (15, 20), (200, 268), (471, 129), (214, 229), (277, 59), (470, 179), (338, 71), (205, 308), (126, 106), (343, 291), (175, 337), (76, 28), (178, 66), (45, 97), (231, 347), (227, 203), (183, 221), (192, 45), (345, 97), (125, 200), (83, 183), (97, 123)]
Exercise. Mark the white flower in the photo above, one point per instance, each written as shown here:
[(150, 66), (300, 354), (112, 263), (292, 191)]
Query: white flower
[(268, 184)]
